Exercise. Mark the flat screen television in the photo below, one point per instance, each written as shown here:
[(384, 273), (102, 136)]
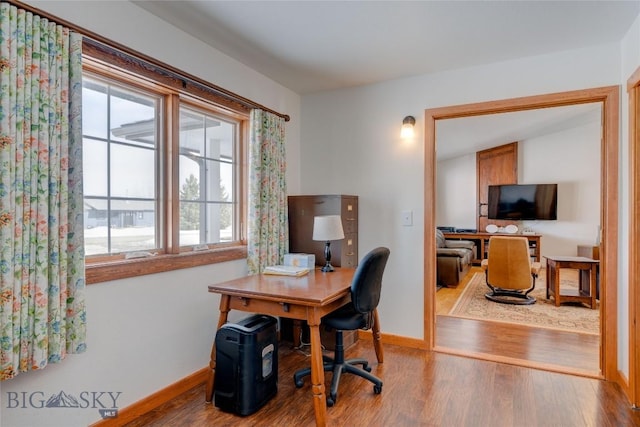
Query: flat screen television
[(523, 202)]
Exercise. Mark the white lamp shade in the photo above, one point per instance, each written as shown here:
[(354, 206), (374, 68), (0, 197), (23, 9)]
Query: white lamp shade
[(327, 227)]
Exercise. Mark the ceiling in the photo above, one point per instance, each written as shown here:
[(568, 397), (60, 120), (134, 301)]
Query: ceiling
[(313, 46), (458, 137)]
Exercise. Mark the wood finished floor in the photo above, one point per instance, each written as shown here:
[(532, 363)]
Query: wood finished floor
[(421, 388), (529, 346)]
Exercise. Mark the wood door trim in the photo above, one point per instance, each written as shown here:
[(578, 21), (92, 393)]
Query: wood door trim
[(609, 97), (633, 88)]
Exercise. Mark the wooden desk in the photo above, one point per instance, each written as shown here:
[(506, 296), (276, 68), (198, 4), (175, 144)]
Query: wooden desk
[(483, 241), (307, 298), (586, 292)]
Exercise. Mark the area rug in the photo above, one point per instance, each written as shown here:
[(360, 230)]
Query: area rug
[(544, 314)]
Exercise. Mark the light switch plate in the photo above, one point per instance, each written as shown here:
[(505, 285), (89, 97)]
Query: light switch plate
[(407, 218)]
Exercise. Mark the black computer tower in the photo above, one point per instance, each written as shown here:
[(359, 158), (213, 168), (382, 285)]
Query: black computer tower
[(246, 364)]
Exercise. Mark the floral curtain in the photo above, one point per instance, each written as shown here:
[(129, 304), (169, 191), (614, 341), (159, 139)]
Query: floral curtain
[(42, 306), (268, 230)]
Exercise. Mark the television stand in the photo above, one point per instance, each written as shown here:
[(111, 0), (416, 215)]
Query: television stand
[(482, 242)]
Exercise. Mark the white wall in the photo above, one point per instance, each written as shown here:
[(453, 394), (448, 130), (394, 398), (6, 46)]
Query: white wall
[(630, 48), (570, 158), (145, 333), (351, 145), (456, 192)]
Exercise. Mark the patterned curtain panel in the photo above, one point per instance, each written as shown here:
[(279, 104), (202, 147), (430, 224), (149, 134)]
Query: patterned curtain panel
[(268, 228), (42, 306)]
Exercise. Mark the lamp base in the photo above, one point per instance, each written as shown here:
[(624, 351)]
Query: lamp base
[(328, 268)]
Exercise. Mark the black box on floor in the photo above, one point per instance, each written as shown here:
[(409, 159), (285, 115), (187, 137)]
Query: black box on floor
[(246, 364)]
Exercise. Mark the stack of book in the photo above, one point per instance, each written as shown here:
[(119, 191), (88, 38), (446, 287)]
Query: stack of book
[(286, 270)]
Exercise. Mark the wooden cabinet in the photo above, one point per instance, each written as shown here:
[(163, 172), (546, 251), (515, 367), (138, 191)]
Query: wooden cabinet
[(302, 209)]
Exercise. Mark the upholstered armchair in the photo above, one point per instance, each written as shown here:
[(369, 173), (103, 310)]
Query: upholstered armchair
[(454, 258), (511, 275)]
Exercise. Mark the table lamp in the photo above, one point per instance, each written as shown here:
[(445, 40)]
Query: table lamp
[(327, 228)]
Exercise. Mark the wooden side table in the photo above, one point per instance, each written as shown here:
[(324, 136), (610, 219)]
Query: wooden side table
[(586, 292), (592, 252)]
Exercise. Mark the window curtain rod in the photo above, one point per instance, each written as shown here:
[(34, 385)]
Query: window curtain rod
[(104, 44)]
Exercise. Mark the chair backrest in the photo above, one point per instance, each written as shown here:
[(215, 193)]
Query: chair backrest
[(509, 262), (367, 280)]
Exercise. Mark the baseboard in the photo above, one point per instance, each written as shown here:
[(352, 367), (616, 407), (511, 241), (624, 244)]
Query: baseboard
[(156, 399), (623, 382), (395, 340)]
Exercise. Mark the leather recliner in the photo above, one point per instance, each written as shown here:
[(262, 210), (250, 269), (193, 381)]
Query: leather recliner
[(454, 258)]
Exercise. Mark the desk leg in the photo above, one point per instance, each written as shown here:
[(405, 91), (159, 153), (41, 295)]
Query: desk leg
[(556, 285), (593, 285), (377, 338), (317, 375), (224, 314), (548, 277)]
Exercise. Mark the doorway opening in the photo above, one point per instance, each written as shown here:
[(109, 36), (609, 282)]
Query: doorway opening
[(608, 97)]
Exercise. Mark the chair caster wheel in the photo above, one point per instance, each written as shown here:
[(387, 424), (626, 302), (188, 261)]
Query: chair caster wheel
[(331, 400), (367, 368), (298, 383), (377, 389)]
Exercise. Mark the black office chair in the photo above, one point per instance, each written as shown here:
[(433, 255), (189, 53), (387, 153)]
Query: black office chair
[(365, 295)]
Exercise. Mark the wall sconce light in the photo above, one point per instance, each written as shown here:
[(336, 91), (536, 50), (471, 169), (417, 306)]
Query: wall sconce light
[(407, 127)]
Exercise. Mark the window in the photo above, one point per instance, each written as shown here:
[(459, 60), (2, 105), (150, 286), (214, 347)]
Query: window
[(207, 167), (120, 156), (162, 174)]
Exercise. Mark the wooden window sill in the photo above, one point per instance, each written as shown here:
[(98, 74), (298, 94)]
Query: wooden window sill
[(98, 272)]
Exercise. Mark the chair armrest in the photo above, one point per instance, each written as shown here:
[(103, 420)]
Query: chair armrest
[(535, 268), (450, 252), (459, 244)]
